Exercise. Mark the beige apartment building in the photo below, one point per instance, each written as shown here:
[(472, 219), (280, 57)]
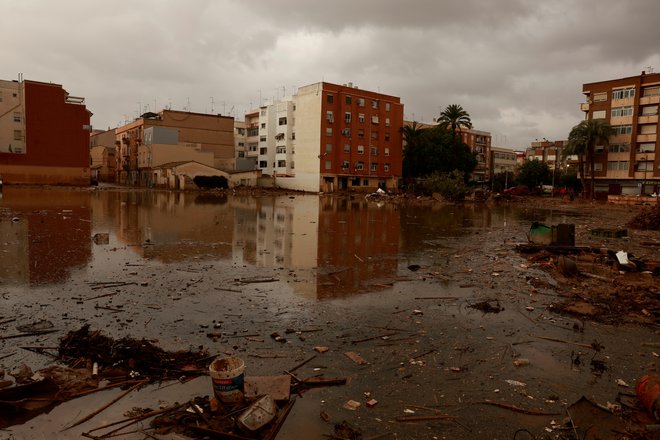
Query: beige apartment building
[(155, 139), (629, 165)]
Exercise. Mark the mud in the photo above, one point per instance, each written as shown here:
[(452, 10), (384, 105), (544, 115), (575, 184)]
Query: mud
[(395, 282)]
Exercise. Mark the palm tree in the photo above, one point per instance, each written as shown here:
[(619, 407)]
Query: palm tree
[(411, 135), (454, 117), (583, 139)]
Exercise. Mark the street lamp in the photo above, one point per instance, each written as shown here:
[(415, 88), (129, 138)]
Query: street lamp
[(506, 178), (643, 159)]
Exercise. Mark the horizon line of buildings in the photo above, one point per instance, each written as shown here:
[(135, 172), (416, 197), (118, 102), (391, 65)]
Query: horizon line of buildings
[(325, 137)]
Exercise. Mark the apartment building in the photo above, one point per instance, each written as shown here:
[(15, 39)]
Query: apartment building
[(503, 160), (629, 165), (155, 139), (479, 143), (44, 134), (329, 137)]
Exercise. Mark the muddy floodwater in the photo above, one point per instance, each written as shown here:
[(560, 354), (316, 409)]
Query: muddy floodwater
[(397, 283)]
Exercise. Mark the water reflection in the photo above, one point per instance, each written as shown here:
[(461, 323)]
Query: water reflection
[(336, 245)]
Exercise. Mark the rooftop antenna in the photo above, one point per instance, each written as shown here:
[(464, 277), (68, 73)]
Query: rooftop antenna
[(212, 102), (649, 69)]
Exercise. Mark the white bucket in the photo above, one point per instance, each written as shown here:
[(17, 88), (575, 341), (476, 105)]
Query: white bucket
[(227, 376)]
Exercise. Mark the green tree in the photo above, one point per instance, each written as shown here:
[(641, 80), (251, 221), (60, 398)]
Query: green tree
[(450, 185), (436, 150), (585, 136), (454, 117), (533, 173)]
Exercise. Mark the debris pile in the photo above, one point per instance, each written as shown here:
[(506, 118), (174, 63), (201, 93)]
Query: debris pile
[(648, 219)]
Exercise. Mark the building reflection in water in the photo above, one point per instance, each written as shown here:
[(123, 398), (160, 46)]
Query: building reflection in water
[(332, 246), (50, 239)]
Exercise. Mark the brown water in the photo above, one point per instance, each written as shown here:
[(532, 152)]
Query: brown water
[(339, 265)]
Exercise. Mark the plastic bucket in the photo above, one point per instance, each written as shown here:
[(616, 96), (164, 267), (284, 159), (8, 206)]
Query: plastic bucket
[(227, 377)]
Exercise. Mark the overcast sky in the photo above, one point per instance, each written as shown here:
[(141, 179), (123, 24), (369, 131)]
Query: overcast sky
[(516, 66)]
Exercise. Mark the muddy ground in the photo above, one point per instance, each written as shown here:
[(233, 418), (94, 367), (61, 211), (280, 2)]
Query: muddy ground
[(498, 340)]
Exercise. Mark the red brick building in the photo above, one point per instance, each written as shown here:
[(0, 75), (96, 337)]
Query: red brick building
[(44, 135)]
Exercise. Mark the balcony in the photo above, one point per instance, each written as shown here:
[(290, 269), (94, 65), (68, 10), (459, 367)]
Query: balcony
[(646, 137), (584, 106), (644, 100), (649, 119)]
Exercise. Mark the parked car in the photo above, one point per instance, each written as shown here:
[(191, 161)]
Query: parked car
[(517, 191)]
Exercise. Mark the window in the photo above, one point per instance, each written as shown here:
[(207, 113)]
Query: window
[(622, 129), (374, 151), (281, 163), (365, 182), (374, 119), (282, 121), (374, 135), (360, 149), (360, 133), (263, 151), (374, 103), (17, 117), (599, 97), (262, 139), (598, 166), (386, 167), (328, 131), (374, 166), (328, 148), (647, 147), (621, 165), (329, 116), (645, 166), (361, 118), (263, 164), (619, 148), (263, 125), (263, 112), (345, 164), (328, 164), (241, 154), (387, 151), (360, 102), (347, 148), (623, 93), (359, 166), (649, 110), (387, 136), (18, 135), (346, 132), (280, 150), (387, 106), (599, 114), (330, 99), (387, 122), (599, 149), (293, 136), (241, 144), (347, 117), (348, 100), (253, 131), (651, 91), (621, 111)]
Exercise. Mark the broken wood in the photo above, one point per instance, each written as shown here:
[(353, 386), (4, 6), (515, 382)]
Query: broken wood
[(228, 290), (302, 363), (533, 412), (579, 344), (257, 280), (425, 418), (21, 335), (323, 382), (437, 297), (106, 406), (372, 338), (355, 358)]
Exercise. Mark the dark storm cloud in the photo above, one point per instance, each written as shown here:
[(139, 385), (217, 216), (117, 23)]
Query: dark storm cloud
[(517, 66)]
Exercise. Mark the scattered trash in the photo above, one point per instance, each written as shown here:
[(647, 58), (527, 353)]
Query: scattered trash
[(321, 349), (622, 383), (276, 336), (515, 383), (648, 393), (520, 362), (355, 358), (371, 403), (352, 405), (567, 266), (227, 377), (258, 415), (101, 238), (278, 387)]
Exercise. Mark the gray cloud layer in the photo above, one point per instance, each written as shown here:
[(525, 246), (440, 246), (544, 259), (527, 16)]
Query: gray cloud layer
[(517, 66)]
